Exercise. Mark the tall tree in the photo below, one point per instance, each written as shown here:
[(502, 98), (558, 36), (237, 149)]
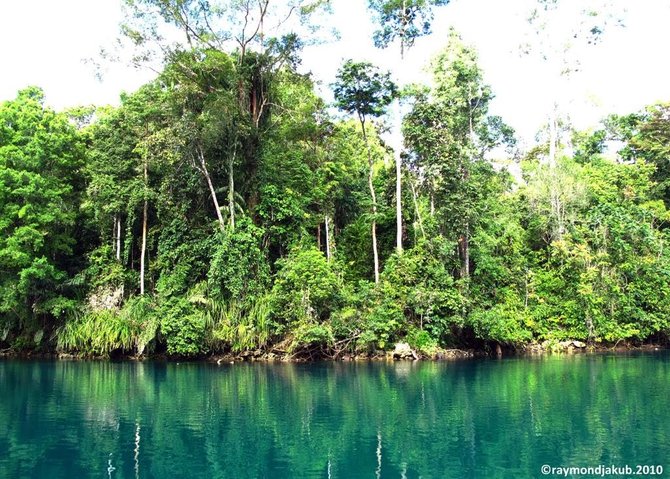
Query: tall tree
[(110, 169), (363, 90), (41, 161), (405, 20), (448, 131), (556, 29), (264, 36), (646, 136)]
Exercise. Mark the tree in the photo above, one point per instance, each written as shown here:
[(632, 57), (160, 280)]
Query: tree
[(646, 136), (448, 131), (110, 168), (363, 90), (405, 20), (206, 117), (552, 42), (41, 160)]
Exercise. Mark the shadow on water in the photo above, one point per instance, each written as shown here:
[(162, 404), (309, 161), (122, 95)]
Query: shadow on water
[(482, 418)]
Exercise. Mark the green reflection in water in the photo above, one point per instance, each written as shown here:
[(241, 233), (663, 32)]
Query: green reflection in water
[(467, 419)]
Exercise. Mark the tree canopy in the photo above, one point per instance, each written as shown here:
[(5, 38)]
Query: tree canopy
[(225, 207)]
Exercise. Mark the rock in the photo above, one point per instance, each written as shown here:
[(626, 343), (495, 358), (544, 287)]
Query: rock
[(403, 351), (579, 344), (106, 299), (536, 348)]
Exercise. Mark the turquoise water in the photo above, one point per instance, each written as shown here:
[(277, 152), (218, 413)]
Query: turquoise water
[(484, 419)]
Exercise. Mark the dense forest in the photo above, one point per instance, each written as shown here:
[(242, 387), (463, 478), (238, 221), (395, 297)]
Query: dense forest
[(226, 208)]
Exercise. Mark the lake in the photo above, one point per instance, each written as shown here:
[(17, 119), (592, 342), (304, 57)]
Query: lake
[(475, 418)]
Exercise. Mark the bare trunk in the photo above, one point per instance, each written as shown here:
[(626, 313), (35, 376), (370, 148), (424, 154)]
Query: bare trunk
[(398, 163), (432, 204), (374, 203), (398, 203), (557, 211), (114, 225), (144, 229), (318, 236), (403, 32), (231, 190), (327, 239), (212, 192), (416, 208), (118, 237), (465, 240), (553, 138), (555, 199), (465, 252)]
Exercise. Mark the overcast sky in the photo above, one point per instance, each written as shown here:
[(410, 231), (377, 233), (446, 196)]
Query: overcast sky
[(44, 43)]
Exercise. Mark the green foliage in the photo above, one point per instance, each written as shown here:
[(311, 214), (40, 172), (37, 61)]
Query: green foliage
[(306, 289), (406, 20), (183, 327), (504, 322), (383, 321), (103, 331), (362, 89), (98, 333), (41, 155), (646, 136), (310, 336), (240, 326), (420, 288), (421, 341), (103, 270), (239, 270), (250, 212)]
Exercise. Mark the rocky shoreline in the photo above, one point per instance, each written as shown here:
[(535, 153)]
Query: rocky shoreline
[(401, 352)]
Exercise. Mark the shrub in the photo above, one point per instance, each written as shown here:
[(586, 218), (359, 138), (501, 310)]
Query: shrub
[(239, 268), (306, 288), (183, 327)]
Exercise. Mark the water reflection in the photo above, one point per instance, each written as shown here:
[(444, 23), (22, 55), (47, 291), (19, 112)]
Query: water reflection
[(467, 419)]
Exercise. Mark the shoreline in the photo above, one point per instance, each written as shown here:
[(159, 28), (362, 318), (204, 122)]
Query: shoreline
[(523, 351)]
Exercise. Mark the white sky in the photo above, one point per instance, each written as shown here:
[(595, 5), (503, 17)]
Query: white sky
[(43, 43)]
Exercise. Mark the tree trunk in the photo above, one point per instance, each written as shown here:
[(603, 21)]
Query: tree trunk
[(464, 246), (231, 190), (416, 208), (144, 228), (398, 202), (374, 202), (212, 192), (318, 236), (118, 237), (553, 137), (327, 239), (403, 30), (114, 225), (554, 193)]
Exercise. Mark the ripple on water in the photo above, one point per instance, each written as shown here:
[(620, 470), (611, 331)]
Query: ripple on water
[(472, 418)]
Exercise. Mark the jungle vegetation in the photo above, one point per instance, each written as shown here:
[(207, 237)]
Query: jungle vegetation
[(226, 207)]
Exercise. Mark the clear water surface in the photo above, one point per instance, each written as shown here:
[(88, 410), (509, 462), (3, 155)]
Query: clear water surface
[(481, 418)]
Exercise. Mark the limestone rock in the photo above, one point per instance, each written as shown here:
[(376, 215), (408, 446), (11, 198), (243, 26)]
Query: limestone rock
[(106, 299), (404, 351)]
